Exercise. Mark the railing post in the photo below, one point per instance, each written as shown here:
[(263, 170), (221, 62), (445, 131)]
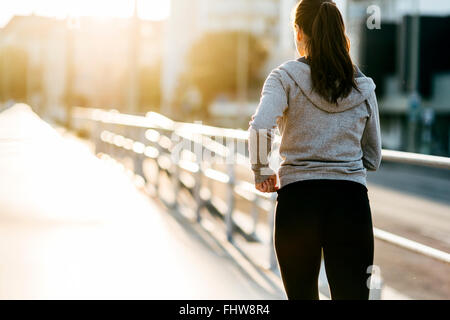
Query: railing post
[(111, 148), (158, 167), (230, 195), (138, 162), (198, 151), (175, 176), (197, 190), (138, 158), (273, 265), (255, 214), (98, 143), (121, 152)]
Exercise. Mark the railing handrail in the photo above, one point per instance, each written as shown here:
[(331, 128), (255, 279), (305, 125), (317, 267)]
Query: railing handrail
[(416, 159), (147, 122), (157, 121)]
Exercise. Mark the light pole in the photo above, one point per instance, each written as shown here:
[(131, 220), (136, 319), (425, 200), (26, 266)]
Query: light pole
[(72, 24), (242, 68), (414, 98), (242, 61), (133, 78)]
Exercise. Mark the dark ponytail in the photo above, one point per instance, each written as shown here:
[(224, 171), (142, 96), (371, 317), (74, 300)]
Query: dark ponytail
[(327, 46)]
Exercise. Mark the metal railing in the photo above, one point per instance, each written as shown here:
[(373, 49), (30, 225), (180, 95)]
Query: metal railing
[(416, 159), (157, 137)]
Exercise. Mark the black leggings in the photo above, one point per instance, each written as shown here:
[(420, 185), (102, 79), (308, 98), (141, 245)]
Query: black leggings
[(332, 216)]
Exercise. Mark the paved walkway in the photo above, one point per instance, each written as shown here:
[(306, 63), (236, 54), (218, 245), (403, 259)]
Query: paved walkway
[(72, 227)]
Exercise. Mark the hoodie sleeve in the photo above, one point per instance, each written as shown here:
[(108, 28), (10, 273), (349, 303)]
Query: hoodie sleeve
[(371, 140), (272, 105)]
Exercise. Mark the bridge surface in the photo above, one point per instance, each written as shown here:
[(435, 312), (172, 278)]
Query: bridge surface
[(73, 226)]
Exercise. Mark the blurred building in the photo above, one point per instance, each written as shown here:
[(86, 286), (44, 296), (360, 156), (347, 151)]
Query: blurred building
[(102, 57), (190, 19), (43, 40), (408, 59), (87, 58)]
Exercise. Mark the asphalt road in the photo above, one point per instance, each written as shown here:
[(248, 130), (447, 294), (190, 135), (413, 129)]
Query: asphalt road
[(412, 202)]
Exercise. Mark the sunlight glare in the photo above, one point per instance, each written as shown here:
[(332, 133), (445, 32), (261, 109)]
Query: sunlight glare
[(147, 9)]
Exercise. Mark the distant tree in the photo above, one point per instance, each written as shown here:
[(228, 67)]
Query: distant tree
[(80, 100), (13, 73), (212, 64), (150, 88)]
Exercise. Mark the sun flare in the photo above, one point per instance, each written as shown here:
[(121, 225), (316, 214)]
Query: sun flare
[(147, 9)]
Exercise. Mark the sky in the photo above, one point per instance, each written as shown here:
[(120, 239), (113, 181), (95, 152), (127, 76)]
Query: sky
[(148, 9)]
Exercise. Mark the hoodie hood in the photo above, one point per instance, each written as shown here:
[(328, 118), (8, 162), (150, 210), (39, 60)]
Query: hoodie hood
[(300, 72)]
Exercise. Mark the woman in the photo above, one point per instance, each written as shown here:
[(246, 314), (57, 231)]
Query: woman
[(326, 111)]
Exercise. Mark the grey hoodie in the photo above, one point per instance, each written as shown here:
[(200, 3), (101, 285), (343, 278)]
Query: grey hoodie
[(319, 140)]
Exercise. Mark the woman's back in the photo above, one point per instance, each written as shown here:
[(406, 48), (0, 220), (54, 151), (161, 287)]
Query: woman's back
[(329, 121), (320, 140)]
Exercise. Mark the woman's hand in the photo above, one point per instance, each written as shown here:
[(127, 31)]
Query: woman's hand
[(268, 186)]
